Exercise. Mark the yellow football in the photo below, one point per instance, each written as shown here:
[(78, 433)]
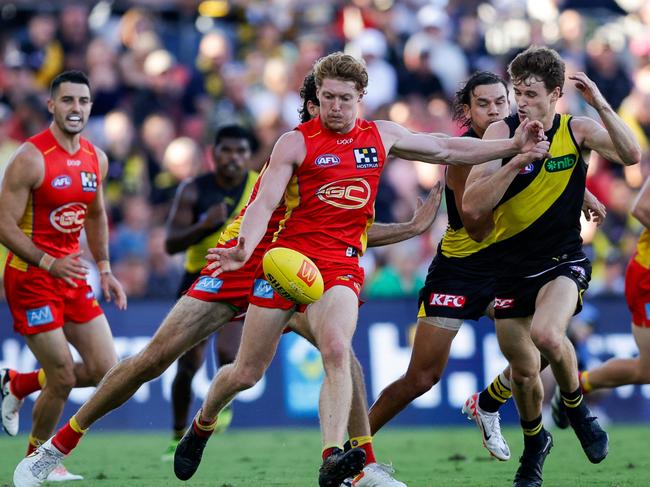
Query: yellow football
[(293, 275)]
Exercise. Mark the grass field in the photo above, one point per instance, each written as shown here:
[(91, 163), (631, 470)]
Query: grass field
[(290, 458)]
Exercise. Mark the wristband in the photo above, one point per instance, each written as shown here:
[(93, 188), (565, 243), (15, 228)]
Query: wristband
[(104, 266), (46, 262)]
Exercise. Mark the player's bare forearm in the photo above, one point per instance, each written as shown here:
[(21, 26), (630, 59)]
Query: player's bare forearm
[(12, 237), (180, 239), (484, 193), (254, 225), (96, 226), (641, 205), (625, 144), (389, 233)]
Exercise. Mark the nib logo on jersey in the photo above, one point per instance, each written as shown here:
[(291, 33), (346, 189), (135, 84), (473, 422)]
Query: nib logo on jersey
[(366, 157), (447, 300), (88, 181)]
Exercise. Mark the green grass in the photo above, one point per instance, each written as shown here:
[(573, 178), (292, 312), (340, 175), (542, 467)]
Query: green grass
[(441, 457)]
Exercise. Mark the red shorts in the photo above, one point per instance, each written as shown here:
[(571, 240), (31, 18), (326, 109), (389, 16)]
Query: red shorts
[(40, 302), (346, 273), (231, 288), (637, 293)]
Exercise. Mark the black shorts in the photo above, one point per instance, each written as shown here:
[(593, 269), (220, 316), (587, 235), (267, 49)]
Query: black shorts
[(454, 289), (516, 296)]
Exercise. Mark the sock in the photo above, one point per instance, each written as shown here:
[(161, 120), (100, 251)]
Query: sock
[(67, 438), (495, 395), (533, 438), (365, 443), (329, 450), (22, 385), (585, 385), (574, 404), (33, 444), (202, 427)]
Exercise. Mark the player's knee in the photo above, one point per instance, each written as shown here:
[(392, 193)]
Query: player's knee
[(335, 354), (549, 344), (246, 377), (420, 383), (61, 381), (524, 374)]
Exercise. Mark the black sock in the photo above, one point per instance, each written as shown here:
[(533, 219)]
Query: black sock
[(574, 404), (533, 437), (347, 446), (494, 396)]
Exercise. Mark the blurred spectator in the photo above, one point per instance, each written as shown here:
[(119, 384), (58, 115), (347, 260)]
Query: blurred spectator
[(399, 278), (42, 51), (130, 238), (165, 273)]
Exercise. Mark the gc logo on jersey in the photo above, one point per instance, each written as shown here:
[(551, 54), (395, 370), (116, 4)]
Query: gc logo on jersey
[(349, 194), (366, 157), (69, 218), (88, 181), (327, 160)]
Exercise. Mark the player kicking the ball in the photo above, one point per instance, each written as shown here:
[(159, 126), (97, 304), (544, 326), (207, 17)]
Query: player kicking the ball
[(203, 311), (327, 171)]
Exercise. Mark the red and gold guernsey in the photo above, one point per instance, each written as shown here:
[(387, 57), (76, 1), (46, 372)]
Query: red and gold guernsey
[(56, 210), (330, 199), (642, 255)]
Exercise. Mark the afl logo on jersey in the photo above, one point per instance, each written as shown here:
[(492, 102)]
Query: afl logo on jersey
[(69, 218), (61, 182), (349, 194), (528, 169), (327, 160)]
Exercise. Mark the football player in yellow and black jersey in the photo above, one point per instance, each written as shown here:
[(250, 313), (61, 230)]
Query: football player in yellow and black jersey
[(202, 208), (535, 222)]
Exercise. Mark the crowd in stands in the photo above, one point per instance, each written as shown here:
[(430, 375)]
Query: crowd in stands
[(167, 74)]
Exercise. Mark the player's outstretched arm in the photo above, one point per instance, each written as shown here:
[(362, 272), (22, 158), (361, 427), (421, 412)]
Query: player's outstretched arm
[(615, 142), (288, 152), (96, 226), (457, 150), (487, 183), (425, 213), (593, 209), (641, 206)]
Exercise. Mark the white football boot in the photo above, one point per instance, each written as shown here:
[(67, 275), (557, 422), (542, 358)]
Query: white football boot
[(490, 426), (377, 475), (34, 469), (10, 405)]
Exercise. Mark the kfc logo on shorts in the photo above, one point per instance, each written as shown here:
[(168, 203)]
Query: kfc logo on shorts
[(69, 218), (327, 160), (447, 300), (349, 194), (504, 303), (62, 182)]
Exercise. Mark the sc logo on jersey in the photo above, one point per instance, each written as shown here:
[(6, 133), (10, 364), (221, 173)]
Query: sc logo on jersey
[(69, 218), (349, 194)]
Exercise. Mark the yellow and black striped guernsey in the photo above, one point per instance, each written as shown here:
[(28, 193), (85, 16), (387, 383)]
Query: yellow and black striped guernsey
[(537, 222), (456, 242)]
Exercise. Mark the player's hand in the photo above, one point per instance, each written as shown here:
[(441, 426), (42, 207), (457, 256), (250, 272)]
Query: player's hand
[(589, 90), (112, 288), (528, 134), (229, 259), (69, 268), (214, 217), (426, 211), (539, 151), (593, 209)]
